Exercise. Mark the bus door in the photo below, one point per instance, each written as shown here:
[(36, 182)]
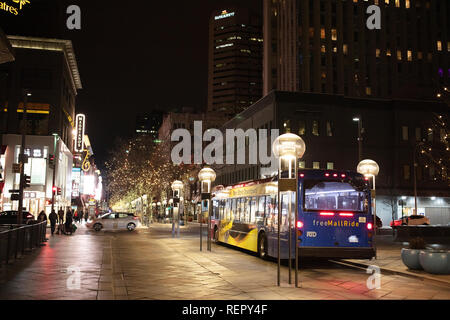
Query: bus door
[(272, 226)]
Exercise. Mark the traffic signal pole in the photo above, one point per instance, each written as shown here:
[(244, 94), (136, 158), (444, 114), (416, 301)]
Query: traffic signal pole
[(22, 158), (54, 171)]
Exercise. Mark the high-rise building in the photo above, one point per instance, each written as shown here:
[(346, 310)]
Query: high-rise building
[(324, 46), (149, 123), (235, 60)]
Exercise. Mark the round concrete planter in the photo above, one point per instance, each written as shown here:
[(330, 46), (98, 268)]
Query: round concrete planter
[(410, 258), (435, 261)]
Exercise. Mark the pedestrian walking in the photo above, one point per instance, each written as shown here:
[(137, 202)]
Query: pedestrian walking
[(69, 221), (42, 216), (61, 215), (86, 216), (53, 217)]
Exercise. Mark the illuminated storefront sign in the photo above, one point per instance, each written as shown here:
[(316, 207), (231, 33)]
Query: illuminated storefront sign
[(76, 180), (79, 128), (224, 15)]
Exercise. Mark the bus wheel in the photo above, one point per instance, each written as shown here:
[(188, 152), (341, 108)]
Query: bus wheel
[(216, 234), (262, 245)]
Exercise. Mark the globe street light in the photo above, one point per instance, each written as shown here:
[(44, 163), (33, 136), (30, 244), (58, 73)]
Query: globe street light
[(370, 168), (206, 176), (177, 187), (288, 148)]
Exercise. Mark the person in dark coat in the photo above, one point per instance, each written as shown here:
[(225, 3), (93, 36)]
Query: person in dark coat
[(86, 215), (69, 220), (61, 215), (53, 217), (42, 216)]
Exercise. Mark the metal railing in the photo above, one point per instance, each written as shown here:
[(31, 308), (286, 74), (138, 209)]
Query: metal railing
[(15, 240)]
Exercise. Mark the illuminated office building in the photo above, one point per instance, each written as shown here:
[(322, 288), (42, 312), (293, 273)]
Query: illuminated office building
[(235, 61), (324, 46)]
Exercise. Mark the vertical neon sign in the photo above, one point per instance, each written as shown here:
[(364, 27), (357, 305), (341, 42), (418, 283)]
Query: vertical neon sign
[(80, 122)]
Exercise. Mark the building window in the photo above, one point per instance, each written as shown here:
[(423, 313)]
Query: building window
[(302, 164), (405, 133), (333, 34), (409, 55), (418, 134), (439, 45), (406, 172), (368, 91), (330, 165), (315, 127), (316, 165), (329, 129), (301, 127)]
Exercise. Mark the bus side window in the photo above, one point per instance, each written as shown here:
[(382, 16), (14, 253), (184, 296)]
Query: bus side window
[(235, 209), (253, 209), (227, 209), (260, 202)]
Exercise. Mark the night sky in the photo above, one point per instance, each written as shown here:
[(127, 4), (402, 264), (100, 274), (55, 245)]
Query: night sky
[(133, 56)]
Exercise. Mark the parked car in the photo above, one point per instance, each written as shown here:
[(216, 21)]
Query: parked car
[(10, 217), (413, 220), (114, 221)]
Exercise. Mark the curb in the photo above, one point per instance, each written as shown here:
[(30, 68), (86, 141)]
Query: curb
[(353, 264)]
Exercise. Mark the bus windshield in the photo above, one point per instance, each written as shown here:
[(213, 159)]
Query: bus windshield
[(334, 195)]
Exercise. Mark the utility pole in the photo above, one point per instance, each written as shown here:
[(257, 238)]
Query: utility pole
[(22, 159)]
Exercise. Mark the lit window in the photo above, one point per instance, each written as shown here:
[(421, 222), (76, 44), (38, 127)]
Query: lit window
[(322, 33), (399, 55), (377, 53), (333, 34), (316, 165), (315, 127), (439, 45), (409, 55), (345, 48), (368, 91), (388, 52), (330, 165), (322, 49), (407, 4), (302, 164), (419, 55), (301, 127), (397, 3)]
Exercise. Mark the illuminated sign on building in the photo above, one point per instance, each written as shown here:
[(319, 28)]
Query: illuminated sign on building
[(76, 181), (224, 15), (80, 122)]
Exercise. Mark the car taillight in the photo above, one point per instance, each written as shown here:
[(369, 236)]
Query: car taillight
[(299, 224), (343, 176), (369, 226), (327, 213), (29, 216)]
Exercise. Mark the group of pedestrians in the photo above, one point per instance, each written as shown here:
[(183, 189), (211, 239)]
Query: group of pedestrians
[(58, 218)]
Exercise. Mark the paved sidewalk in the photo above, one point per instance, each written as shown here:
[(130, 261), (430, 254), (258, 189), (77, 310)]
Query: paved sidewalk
[(389, 259), (149, 264)]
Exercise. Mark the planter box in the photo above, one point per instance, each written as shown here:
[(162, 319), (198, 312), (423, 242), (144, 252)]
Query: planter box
[(410, 258), (435, 261)]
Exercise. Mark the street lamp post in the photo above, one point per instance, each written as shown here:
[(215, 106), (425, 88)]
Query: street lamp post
[(370, 168), (360, 129), (415, 176), (177, 187), (288, 148), (206, 176)]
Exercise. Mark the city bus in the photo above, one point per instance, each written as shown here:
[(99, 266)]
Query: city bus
[(334, 216)]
